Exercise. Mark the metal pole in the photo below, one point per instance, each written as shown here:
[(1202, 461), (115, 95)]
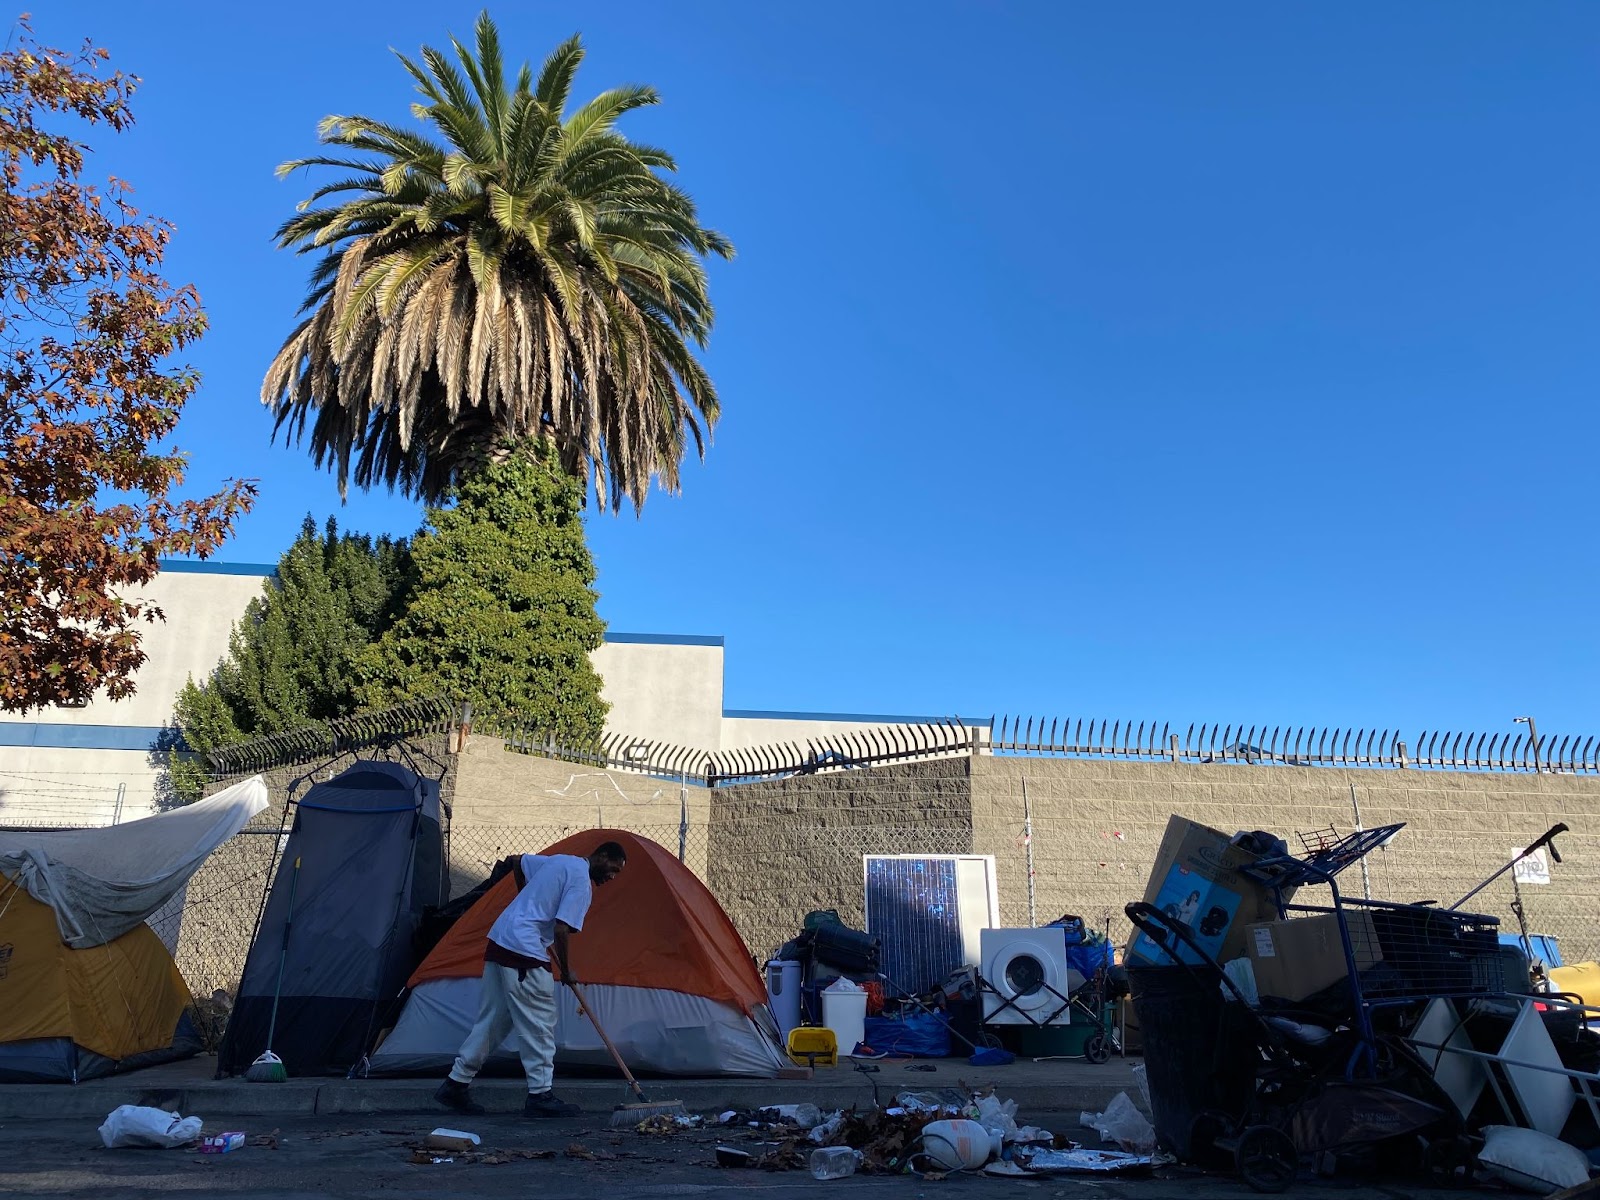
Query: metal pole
[(1366, 882), (1533, 736), (683, 816), (1027, 843), (116, 815)]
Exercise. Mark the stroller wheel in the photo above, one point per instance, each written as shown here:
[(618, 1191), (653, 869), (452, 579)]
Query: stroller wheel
[(1266, 1159), (1096, 1050)]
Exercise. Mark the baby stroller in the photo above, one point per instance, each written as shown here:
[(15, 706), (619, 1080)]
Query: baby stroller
[(1263, 1090)]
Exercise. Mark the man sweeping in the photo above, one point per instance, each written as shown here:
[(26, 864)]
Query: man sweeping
[(519, 992)]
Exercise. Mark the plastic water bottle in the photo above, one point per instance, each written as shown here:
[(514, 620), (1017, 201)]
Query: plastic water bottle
[(834, 1162)]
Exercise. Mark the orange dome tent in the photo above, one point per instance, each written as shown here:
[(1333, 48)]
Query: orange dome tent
[(664, 968)]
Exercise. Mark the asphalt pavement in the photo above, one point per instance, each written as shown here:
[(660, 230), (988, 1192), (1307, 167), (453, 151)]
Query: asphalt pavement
[(335, 1158), (360, 1139)]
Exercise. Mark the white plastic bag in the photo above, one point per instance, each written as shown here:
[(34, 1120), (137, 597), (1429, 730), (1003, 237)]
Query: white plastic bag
[(131, 1125), (997, 1116), (1532, 1161), (1243, 973), (1123, 1124), (1143, 1080)]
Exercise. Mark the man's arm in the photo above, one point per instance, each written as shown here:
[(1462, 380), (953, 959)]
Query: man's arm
[(563, 932), (510, 865)]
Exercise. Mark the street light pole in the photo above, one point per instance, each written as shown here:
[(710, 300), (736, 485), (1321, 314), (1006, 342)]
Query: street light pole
[(1533, 736)]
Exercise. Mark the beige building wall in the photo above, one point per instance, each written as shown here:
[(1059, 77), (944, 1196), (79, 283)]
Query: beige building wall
[(200, 610), (66, 764), (663, 689), (52, 785)]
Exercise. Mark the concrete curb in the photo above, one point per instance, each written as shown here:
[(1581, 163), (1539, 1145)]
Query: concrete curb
[(230, 1099)]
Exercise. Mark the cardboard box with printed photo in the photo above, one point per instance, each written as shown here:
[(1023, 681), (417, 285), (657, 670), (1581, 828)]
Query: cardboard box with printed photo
[(1197, 881)]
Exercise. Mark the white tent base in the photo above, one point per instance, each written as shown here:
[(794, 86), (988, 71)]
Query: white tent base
[(657, 1032)]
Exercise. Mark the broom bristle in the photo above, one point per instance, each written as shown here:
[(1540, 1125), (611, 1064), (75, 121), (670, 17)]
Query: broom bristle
[(268, 1068), (629, 1115)]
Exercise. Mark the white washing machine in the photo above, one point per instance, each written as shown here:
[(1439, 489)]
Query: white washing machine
[(1027, 967)]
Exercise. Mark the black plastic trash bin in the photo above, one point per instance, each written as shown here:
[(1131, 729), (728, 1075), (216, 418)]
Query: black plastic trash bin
[(1200, 1054)]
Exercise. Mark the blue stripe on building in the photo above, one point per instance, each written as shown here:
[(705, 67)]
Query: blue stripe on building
[(193, 566), (769, 714), (664, 639), (57, 736)]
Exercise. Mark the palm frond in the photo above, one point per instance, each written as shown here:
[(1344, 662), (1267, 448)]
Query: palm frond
[(514, 271), (557, 75)]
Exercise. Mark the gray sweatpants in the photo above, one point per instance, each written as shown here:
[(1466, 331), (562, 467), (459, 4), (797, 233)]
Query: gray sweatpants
[(526, 1007)]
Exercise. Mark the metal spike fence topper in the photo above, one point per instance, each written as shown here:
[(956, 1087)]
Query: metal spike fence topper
[(1071, 737)]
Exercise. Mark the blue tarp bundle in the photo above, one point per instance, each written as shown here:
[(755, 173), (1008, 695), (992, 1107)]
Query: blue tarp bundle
[(923, 1035)]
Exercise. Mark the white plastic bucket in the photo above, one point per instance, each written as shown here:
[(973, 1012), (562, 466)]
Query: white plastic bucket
[(846, 1014), (783, 994), (957, 1145)]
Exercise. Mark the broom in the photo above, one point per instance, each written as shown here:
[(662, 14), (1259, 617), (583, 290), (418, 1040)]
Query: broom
[(269, 1068), (627, 1115)]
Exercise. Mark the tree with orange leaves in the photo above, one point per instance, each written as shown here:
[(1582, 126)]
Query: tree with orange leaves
[(88, 394)]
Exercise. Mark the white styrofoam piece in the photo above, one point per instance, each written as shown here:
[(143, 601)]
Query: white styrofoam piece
[(1545, 1097), (1461, 1076)]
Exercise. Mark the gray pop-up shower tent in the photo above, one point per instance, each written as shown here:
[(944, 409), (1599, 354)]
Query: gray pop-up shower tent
[(371, 860)]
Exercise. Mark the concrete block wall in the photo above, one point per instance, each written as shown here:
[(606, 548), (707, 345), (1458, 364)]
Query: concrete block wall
[(782, 848), (508, 802), (772, 851), (1097, 825)]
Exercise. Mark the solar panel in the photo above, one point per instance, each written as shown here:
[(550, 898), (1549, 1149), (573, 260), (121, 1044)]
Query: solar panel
[(926, 912)]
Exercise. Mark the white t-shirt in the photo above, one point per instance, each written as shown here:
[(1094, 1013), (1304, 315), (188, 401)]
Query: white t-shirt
[(557, 889)]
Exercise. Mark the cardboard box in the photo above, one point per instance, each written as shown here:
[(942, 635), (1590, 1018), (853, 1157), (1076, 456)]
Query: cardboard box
[(1297, 958), (1197, 881)]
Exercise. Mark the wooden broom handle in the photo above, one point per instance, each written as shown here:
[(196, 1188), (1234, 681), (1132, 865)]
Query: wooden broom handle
[(600, 1029)]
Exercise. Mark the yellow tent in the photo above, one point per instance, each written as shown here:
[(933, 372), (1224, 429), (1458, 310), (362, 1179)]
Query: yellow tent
[(68, 1015)]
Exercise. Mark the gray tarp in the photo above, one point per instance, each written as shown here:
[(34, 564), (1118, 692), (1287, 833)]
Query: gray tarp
[(103, 882)]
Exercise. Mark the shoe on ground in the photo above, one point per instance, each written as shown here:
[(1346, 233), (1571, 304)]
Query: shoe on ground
[(457, 1097), (545, 1105)]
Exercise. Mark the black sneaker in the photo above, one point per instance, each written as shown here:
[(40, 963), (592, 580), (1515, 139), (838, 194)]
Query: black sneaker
[(457, 1097), (545, 1105)]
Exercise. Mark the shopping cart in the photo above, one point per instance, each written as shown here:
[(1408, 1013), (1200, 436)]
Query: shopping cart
[(1229, 1082), (1398, 957)]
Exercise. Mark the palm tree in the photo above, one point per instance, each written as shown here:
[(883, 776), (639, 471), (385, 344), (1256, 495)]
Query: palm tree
[(535, 274)]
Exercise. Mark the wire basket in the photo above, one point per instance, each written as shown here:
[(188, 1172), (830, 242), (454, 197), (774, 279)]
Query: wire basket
[(1416, 950)]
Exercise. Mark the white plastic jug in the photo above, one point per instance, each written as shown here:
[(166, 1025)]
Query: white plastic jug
[(783, 994), (959, 1145)]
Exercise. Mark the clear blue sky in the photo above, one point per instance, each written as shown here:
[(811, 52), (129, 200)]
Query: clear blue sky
[(1196, 362)]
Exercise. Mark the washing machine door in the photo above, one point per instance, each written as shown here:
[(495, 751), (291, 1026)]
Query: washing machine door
[(1033, 976)]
